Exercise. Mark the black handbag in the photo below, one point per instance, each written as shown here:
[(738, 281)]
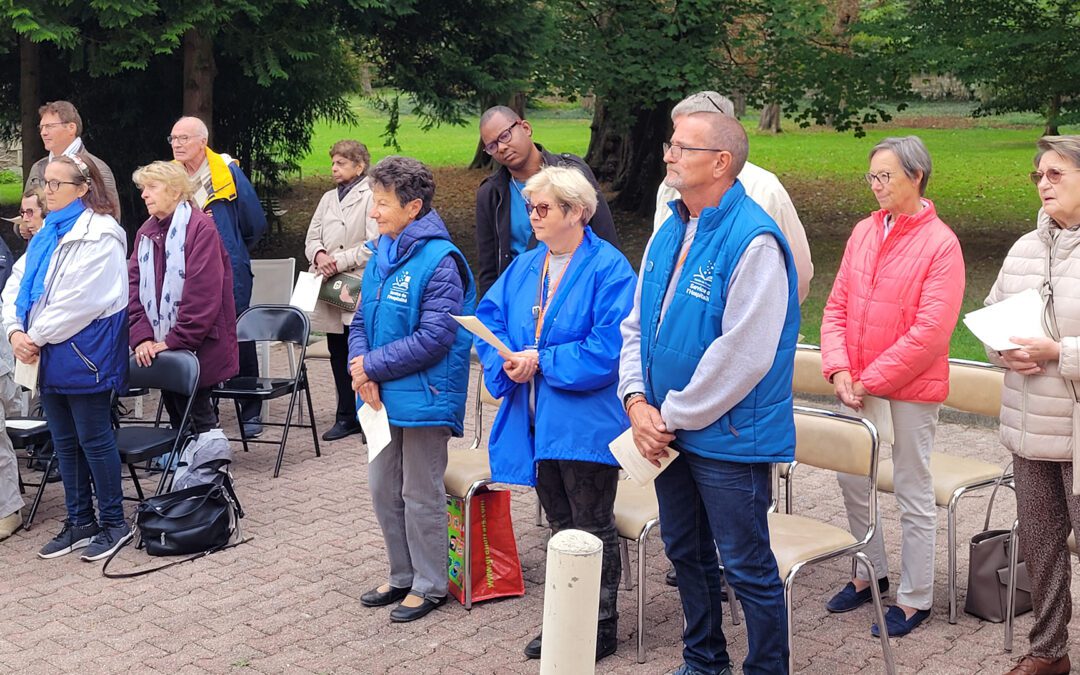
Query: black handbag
[(988, 571), (199, 520)]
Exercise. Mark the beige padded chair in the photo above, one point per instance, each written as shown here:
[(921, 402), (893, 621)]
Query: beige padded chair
[(467, 471), (636, 515), (807, 379), (974, 387), (844, 444)]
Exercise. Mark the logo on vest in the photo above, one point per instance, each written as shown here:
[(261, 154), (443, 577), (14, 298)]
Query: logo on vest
[(399, 290), (700, 285)]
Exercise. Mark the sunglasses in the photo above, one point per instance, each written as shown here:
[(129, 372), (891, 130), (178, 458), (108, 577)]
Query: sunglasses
[(1052, 175), (542, 209)]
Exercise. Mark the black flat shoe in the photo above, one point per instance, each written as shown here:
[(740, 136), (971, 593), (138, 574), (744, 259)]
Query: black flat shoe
[(532, 650), (403, 614), (377, 598), (341, 430)]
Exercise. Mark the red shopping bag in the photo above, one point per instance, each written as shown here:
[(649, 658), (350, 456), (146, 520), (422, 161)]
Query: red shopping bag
[(496, 568)]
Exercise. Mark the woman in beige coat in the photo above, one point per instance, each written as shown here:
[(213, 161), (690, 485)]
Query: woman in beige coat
[(337, 242), (1039, 410)]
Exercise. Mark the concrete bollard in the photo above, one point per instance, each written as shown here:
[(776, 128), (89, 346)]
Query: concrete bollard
[(571, 603)]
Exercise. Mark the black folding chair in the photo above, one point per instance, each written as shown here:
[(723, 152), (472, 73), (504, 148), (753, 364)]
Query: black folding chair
[(31, 434), (273, 323), (175, 371)]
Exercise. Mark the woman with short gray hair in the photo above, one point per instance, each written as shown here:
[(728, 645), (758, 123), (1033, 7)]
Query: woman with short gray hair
[(1039, 401), (885, 334), (408, 354)]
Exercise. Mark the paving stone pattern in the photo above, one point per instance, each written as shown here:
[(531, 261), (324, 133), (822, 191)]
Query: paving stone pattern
[(288, 601)]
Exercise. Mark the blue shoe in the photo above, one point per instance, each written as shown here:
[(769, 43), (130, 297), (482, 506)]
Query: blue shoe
[(685, 669), (898, 623), (848, 598)]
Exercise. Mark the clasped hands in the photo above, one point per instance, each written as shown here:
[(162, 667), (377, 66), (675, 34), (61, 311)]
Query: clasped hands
[(1026, 360), (521, 366), (325, 264), (363, 385), (24, 348), (850, 393), (650, 433)]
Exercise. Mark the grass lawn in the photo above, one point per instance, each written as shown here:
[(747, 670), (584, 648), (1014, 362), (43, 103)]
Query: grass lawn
[(10, 193)]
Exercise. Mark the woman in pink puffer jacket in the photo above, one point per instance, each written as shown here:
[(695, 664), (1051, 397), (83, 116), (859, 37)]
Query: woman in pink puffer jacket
[(885, 333)]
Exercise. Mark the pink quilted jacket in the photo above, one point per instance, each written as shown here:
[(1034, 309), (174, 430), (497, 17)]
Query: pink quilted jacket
[(894, 305)]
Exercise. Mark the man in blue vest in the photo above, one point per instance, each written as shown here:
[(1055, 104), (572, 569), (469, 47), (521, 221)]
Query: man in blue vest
[(706, 368)]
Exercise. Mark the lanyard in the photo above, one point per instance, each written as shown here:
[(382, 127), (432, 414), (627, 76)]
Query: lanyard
[(544, 295)]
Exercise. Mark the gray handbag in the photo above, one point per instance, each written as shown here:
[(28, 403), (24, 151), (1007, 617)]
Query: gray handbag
[(988, 571)]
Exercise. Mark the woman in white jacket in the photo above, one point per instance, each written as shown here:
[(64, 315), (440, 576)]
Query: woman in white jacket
[(1039, 409), (65, 307), (337, 242)]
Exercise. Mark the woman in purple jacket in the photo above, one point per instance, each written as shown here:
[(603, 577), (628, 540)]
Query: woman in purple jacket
[(181, 290)]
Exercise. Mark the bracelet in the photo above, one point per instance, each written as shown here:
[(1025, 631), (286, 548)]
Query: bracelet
[(638, 399)]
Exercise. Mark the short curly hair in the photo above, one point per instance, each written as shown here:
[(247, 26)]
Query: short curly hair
[(354, 151), (408, 178)]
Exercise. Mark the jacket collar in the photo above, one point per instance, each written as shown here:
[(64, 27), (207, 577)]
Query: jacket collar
[(711, 216), (357, 192), (221, 176), (1049, 232), (94, 226), (904, 222), (502, 174)]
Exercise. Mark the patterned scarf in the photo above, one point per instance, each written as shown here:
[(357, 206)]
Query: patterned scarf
[(163, 316)]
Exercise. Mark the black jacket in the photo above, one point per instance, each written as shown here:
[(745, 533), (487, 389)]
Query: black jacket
[(493, 218)]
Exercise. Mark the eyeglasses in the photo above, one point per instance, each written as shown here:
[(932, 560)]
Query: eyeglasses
[(182, 140), (542, 209), (54, 185), (50, 125), (27, 213), (1052, 175), (882, 177), (503, 138), (677, 150)]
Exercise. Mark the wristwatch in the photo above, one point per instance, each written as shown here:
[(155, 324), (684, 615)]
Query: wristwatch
[(630, 397)]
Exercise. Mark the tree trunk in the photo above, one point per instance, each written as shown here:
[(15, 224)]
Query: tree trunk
[(29, 100), (641, 160), (199, 71), (1052, 114), (482, 160), (770, 118), (605, 144), (739, 101), (365, 78)]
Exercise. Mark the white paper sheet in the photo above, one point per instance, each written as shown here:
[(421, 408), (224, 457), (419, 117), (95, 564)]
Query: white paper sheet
[(1016, 316), (376, 428), (306, 291), (640, 470), (26, 375), (477, 328), (879, 413)]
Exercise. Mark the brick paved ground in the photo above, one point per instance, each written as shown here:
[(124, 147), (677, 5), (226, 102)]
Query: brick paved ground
[(289, 600)]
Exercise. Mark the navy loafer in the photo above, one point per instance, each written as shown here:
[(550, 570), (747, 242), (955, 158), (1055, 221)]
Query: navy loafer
[(898, 623), (848, 598)]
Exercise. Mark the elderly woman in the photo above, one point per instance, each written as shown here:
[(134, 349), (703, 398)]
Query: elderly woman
[(32, 213), (65, 308), (337, 242), (180, 289), (1039, 409), (408, 354), (559, 307), (886, 333)]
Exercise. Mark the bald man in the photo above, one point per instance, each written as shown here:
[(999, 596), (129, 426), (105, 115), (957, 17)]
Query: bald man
[(706, 367), (223, 191)]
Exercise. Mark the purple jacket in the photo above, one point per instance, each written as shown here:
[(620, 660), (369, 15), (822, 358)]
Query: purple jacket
[(207, 321)]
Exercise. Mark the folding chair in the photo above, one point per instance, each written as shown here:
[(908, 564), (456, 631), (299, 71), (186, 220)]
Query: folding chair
[(637, 513), (467, 471), (807, 379), (844, 444), (271, 284), (28, 433), (174, 371), (273, 323)]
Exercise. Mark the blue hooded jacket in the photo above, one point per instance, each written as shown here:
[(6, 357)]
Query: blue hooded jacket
[(241, 222), (411, 346), (578, 411)]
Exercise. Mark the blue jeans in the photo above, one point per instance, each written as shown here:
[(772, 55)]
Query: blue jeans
[(706, 505), (82, 434)]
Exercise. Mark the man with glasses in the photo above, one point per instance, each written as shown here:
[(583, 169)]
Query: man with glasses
[(223, 191), (61, 132), (502, 225), (762, 186), (706, 367)]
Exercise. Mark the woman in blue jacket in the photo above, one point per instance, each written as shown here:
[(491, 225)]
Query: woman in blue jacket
[(559, 306), (407, 353)]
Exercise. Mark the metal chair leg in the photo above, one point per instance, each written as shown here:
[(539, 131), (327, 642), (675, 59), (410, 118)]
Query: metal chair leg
[(311, 414), (641, 595), (1010, 597), (240, 423), (29, 520), (883, 629), (624, 555), (539, 512), (789, 602), (135, 480), (952, 554)]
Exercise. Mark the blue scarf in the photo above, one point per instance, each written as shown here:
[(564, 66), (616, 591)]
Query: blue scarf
[(386, 252), (40, 252)]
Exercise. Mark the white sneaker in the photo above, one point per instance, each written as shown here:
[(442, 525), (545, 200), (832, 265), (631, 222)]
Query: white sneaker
[(9, 524)]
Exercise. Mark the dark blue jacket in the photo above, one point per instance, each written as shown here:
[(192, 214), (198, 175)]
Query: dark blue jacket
[(241, 222), (411, 346)]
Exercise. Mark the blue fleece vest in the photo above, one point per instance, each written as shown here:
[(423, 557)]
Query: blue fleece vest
[(761, 427), (434, 396)]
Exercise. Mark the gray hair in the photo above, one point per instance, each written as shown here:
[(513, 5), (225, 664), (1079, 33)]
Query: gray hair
[(913, 156), (200, 127), (568, 185), (505, 111), (703, 102), (408, 178), (1066, 146)]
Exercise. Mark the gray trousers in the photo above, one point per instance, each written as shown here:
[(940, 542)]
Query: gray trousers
[(914, 426), (10, 499), (406, 482)]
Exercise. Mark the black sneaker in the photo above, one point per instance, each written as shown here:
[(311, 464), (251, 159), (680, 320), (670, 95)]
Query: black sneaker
[(69, 539), (106, 541), (341, 430)]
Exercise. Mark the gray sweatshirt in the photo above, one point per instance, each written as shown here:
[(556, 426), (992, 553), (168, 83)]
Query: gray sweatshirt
[(737, 360)]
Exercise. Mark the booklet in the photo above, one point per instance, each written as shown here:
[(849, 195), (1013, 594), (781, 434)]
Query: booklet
[(376, 428), (477, 328), (640, 470), (306, 291), (26, 375), (1019, 315)]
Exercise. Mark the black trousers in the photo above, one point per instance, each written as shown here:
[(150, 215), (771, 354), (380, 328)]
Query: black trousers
[(338, 346), (581, 496), (203, 416), (249, 367)]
